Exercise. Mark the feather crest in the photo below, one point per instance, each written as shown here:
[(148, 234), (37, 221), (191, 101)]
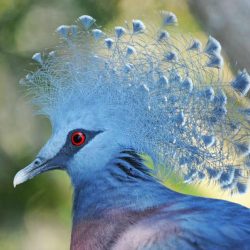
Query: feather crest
[(164, 98)]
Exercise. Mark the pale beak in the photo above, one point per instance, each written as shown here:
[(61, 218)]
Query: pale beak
[(38, 166)]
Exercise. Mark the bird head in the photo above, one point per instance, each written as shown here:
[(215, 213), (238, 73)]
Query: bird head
[(79, 144), (104, 92)]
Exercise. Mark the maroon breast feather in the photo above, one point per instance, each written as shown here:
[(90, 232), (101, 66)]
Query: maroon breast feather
[(126, 230)]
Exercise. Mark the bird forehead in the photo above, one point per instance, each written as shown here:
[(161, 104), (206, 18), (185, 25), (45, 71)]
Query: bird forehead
[(74, 118), (53, 146)]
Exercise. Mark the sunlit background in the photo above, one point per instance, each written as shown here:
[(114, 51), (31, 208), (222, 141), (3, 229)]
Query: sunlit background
[(37, 214)]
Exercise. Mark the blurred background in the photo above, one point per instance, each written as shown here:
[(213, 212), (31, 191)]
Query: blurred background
[(37, 214)]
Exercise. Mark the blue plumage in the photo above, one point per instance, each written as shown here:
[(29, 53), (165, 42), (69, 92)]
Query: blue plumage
[(111, 98), (133, 211)]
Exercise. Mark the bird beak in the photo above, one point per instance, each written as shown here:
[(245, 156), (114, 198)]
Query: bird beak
[(38, 166)]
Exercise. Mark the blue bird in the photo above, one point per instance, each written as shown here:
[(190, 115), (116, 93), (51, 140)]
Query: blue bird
[(113, 98)]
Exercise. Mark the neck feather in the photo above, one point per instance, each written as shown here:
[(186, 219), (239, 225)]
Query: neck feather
[(126, 184)]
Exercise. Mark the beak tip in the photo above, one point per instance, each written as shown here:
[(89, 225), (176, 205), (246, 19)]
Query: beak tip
[(29, 172), (19, 178), (15, 183)]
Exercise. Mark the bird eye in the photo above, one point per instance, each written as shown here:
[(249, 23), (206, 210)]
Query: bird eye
[(78, 138)]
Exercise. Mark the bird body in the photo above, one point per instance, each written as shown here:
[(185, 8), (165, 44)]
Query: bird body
[(112, 98), (124, 211)]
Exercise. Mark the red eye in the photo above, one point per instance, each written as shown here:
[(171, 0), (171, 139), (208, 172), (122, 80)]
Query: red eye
[(78, 138)]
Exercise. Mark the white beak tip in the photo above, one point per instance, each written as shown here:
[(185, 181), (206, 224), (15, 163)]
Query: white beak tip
[(19, 178)]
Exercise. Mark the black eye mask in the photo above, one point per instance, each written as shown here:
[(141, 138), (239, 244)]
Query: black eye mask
[(69, 149)]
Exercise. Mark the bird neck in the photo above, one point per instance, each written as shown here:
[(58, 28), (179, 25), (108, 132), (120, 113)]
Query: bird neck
[(126, 184)]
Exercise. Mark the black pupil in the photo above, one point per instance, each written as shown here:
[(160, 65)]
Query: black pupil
[(77, 138)]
